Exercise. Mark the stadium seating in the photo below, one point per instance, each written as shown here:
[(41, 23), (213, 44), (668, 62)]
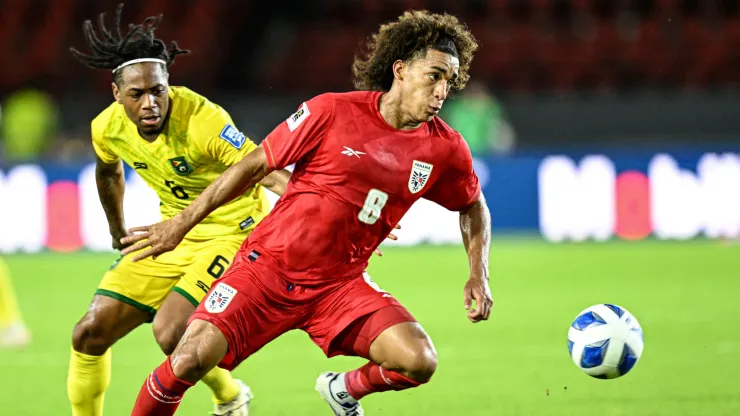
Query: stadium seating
[(527, 45)]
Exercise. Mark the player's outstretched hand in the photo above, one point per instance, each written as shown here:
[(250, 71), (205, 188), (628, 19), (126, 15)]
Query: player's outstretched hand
[(477, 289), (161, 238), (391, 236)]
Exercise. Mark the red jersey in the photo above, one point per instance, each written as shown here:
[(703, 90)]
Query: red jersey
[(355, 177)]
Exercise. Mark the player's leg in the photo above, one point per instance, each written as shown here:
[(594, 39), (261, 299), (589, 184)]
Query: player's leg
[(127, 296), (202, 263), (373, 326), (209, 261), (169, 326), (202, 347), (13, 332), (171, 321), (401, 357), (237, 318), (106, 321)]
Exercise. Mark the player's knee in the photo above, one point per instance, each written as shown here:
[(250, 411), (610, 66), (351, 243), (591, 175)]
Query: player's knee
[(407, 349), (187, 363), (91, 336), (202, 347), (167, 336), (420, 364)]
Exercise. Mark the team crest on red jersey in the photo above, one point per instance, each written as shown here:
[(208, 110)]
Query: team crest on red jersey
[(420, 173), (220, 298)]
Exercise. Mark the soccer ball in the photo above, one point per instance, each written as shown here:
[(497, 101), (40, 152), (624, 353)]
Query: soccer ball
[(605, 341)]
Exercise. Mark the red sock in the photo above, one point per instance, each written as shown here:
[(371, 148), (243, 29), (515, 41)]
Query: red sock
[(161, 393), (372, 378)]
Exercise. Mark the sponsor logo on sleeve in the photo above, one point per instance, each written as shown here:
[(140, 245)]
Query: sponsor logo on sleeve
[(297, 118), (233, 136)]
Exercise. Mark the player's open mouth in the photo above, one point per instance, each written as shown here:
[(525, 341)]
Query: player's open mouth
[(150, 120), (434, 109)]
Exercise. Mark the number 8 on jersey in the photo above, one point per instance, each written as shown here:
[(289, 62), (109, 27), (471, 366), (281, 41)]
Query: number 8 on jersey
[(374, 204)]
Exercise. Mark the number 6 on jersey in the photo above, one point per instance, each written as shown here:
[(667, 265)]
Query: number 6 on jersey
[(374, 203)]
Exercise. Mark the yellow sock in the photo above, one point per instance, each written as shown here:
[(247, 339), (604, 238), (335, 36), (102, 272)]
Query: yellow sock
[(222, 385), (89, 377), (9, 312)]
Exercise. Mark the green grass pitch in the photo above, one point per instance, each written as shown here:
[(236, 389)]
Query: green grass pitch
[(685, 295)]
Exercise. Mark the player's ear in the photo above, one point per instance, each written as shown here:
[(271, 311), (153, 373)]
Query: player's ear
[(398, 69), (116, 92)]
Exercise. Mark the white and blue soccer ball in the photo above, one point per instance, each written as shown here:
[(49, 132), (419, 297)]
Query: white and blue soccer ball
[(605, 341)]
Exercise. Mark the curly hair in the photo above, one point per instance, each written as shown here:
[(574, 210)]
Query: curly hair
[(410, 37), (113, 49)]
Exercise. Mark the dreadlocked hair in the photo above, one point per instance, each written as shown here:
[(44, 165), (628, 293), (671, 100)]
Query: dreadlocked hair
[(410, 37), (113, 49)]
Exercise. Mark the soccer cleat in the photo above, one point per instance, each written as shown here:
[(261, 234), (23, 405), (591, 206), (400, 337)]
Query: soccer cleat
[(332, 389), (237, 407), (14, 336)]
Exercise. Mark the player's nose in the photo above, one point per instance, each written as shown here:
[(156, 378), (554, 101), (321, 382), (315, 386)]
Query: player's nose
[(148, 101), (441, 90)]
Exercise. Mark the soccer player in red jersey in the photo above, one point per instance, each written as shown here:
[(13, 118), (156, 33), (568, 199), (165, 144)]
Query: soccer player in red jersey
[(362, 159)]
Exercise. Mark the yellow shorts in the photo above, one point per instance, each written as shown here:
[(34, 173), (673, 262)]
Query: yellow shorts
[(188, 270)]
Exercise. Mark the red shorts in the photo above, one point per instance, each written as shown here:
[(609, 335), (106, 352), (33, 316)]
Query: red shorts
[(252, 305)]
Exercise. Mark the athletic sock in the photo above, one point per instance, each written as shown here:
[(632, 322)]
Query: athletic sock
[(161, 393), (372, 378)]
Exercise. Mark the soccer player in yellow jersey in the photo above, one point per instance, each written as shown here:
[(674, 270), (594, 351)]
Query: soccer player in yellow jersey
[(13, 332), (179, 142)]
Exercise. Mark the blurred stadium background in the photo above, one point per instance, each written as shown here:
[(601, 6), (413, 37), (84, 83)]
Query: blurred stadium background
[(606, 135)]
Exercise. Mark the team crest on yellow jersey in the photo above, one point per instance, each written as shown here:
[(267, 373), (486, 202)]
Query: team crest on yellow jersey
[(181, 166)]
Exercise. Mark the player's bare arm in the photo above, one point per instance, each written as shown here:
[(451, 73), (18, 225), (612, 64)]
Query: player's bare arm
[(165, 236), (276, 181), (475, 225), (111, 185)]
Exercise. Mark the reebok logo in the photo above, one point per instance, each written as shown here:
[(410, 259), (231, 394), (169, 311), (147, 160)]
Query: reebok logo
[(351, 152)]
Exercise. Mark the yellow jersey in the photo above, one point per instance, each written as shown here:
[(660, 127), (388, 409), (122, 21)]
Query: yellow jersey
[(197, 144)]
